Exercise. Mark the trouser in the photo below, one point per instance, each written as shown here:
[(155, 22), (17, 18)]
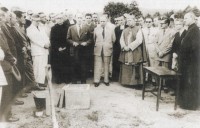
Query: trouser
[(78, 68), (99, 63), (39, 65), (6, 100)]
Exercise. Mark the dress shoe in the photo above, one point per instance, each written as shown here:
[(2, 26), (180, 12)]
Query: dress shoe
[(96, 84), (38, 88), (107, 83), (23, 95), (17, 102), (74, 82), (12, 119), (43, 85)]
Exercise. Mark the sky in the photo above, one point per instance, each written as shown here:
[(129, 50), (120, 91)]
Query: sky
[(94, 5)]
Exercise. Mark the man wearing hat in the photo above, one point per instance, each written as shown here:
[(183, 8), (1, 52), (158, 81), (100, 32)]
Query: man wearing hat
[(39, 48)]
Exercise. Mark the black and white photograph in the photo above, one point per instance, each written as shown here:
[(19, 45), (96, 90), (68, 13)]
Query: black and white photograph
[(99, 63)]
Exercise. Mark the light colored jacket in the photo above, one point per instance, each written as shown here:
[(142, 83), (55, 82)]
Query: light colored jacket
[(105, 44), (38, 39), (163, 43)]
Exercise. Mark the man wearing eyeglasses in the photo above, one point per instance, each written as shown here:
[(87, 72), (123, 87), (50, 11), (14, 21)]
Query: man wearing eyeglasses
[(149, 33), (163, 43)]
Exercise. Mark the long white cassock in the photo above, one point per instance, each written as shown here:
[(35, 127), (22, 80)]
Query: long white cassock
[(39, 54)]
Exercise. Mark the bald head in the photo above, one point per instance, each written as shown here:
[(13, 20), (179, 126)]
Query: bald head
[(103, 20), (189, 18), (79, 18)]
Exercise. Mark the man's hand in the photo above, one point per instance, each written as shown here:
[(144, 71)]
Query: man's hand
[(175, 55), (61, 49), (15, 60), (24, 49), (75, 44), (126, 48), (46, 46), (160, 54), (84, 44)]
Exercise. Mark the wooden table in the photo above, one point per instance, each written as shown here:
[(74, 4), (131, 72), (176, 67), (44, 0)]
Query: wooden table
[(161, 73)]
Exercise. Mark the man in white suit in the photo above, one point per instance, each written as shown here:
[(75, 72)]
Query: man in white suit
[(104, 38), (39, 48)]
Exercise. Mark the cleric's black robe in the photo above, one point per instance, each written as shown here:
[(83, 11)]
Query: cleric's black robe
[(60, 59), (190, 69), (116, 53)]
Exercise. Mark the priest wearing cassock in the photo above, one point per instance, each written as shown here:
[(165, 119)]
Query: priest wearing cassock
[(133, 54)]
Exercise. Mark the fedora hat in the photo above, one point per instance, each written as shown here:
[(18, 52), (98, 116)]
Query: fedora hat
[(16, 73)]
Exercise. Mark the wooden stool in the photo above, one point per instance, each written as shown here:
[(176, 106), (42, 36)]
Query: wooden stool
[(161, 73)]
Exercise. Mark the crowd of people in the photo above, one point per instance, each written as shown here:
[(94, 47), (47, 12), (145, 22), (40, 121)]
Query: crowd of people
[(83, 46)]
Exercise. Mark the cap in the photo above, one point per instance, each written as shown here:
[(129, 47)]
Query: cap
[(35, 17)]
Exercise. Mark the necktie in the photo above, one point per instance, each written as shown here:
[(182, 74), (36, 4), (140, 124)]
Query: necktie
[(103, 33), (38, 28), (164, 32), (79, 30)]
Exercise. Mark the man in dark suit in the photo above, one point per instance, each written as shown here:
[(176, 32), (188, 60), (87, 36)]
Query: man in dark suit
[(117, 48), (190, 65), (79, 38), (7, 63)]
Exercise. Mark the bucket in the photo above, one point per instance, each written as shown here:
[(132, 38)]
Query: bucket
[(40, 103), (39, 99)]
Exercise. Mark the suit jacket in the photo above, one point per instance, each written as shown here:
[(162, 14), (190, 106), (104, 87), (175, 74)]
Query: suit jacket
[(22, 42), (74, 36), (8, 59), (11, 43), (105, 44), (38, 38), (163, 43)]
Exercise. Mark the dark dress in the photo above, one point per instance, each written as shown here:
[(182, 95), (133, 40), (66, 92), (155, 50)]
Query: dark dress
[(60, 59), (189, 67)]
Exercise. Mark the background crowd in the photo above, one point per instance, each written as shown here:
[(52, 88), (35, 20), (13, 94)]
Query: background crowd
[(90, 45)]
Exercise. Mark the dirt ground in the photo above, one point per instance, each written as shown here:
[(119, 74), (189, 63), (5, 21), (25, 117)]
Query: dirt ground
[(113, 106)]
